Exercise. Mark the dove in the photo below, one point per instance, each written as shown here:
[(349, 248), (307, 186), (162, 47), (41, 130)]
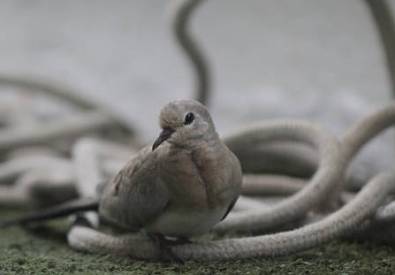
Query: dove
[(181, 186)]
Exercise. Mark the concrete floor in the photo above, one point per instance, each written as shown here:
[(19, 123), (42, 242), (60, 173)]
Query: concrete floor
[(314, 59)]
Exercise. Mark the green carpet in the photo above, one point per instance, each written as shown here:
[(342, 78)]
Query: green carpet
[(45, 251)]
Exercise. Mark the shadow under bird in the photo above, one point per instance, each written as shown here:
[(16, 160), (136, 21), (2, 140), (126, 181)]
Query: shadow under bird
[(182, 186)]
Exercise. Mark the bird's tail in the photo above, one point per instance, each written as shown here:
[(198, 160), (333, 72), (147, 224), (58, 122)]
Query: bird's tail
[(58, 211)]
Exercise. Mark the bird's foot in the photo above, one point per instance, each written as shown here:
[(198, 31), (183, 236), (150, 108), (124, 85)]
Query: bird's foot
[(178, 241), (165, 247)]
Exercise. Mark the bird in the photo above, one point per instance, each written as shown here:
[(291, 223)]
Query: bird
[(180, 187), (183, 185)]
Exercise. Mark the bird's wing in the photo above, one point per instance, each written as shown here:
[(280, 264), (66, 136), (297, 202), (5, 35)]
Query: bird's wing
[(233, 190), (137, 195), (230, 207)]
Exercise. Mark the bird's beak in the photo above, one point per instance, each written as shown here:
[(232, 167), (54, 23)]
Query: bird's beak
[(165, 134)]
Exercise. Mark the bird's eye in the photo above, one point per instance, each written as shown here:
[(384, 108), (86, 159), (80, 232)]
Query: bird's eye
[(189, 118)]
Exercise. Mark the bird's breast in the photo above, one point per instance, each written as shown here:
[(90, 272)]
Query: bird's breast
[(193, 178)]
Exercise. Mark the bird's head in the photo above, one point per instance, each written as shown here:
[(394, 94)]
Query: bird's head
[(183, 122)]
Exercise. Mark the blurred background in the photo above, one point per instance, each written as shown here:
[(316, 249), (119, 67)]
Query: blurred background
[(315, 59)]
